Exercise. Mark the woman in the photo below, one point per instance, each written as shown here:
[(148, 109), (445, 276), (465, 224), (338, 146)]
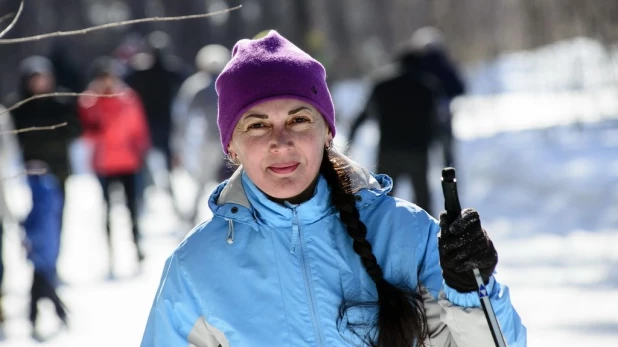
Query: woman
[(306, 248)]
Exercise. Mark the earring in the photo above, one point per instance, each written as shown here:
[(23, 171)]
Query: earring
[(330, 145)]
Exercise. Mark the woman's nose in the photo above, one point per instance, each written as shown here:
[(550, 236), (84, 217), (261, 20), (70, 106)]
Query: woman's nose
[(281, 139)]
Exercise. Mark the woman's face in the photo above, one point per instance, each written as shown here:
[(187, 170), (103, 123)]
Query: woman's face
[(280, 144), (105, 83)]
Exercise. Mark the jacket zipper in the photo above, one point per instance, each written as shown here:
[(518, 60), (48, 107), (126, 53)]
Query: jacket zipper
[(295, 232), (308, 288)]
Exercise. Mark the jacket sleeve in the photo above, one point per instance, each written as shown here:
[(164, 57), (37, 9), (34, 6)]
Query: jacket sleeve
[(457, 319), (365, 114), (175, 318), (69, 108)]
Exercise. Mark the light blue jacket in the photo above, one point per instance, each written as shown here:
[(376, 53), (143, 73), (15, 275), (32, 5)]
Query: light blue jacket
[(263, 274)]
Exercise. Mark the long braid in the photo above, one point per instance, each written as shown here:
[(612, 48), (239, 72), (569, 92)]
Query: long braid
[(401, 320)]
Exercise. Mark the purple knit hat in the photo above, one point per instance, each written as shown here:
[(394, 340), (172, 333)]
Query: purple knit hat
[(266, 69)]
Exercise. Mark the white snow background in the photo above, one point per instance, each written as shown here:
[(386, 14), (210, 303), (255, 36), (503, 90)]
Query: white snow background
[(538, 160)]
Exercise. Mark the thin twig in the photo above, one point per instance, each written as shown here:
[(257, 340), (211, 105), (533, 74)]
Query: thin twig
[(27, 130), (48, 95), (33, 172), (7, 29), (115, 24)]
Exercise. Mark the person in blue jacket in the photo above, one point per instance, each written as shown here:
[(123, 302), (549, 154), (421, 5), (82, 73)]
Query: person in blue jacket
[(306, 247)]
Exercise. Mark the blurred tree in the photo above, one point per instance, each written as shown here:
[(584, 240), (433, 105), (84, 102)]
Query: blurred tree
[(339, 32)]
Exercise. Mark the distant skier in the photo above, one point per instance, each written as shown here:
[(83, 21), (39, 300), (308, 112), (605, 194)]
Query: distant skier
[(155, 75), (404, 102), (195, 142), (13, 183), (116, 127), (428, 42)]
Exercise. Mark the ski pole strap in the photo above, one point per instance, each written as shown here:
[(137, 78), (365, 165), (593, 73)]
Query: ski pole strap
[(494, 327)]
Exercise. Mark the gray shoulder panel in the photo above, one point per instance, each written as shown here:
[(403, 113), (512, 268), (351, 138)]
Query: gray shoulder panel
[(205, 335), (467, 325), (439, 333)]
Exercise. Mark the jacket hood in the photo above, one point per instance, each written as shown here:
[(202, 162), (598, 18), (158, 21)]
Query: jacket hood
[(31, 66)]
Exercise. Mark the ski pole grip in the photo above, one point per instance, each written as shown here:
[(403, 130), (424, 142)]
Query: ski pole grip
[(449, 189), (453, 210)]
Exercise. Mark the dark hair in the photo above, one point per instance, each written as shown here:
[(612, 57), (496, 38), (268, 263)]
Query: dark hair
[(401, 319), (103, 66)]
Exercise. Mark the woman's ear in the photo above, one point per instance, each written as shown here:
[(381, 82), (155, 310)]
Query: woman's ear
[(329, 139), (232, 156)]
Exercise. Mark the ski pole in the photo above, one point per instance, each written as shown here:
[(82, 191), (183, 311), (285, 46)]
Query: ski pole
[(453, 209)]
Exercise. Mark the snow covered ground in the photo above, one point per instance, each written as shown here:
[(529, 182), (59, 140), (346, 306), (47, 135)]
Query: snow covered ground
[(547, 192), (547, 197)]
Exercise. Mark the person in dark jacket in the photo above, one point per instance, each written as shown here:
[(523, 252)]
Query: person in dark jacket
[(51, 146), (429, 44), (403, 100), (116, 127), (42, 241), (156, 76), (67, 72)]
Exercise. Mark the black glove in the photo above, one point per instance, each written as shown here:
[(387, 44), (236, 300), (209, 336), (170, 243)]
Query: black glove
[(464, 245)]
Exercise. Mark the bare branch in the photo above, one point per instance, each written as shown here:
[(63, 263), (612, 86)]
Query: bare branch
[(48, 95), (33, 172), (115, 24), (27, 130), (7, 29)]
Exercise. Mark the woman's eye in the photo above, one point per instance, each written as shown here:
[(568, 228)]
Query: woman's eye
[(256, 126), (298, 120)]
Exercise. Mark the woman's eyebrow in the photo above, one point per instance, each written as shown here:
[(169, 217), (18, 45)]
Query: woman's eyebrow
[(296, 110), (264, 116), (256, 115)]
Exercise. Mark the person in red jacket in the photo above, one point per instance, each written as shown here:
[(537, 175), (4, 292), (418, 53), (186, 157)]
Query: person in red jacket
[(116, 127)]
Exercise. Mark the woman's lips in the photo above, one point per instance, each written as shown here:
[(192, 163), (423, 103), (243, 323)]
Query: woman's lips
[(284, 168)]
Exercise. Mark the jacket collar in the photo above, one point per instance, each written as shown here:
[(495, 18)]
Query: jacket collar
[(240, 200), (274, 214)]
